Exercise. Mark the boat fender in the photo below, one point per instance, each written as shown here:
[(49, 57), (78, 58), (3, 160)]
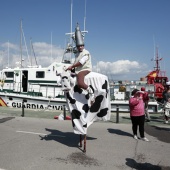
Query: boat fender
[(62, 118)]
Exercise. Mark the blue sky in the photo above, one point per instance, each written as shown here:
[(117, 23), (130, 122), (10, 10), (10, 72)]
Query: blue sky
[(122, 34)]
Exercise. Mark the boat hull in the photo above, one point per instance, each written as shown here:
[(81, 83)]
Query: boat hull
[(43, 103), (30, 102)]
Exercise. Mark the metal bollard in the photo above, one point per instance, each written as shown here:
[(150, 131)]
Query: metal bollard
[(64, 112), (24, 100), (22, 108), (117, 113)]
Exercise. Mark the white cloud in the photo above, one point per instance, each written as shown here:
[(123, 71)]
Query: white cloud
[(121, 68), (45, 54), (11, 46)]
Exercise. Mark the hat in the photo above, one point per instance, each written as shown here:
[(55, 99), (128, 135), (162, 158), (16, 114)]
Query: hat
[(78, 36), (134, 92), (142, 88)]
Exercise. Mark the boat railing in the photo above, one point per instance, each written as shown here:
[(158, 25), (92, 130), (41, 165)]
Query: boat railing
[(123, 92), (47, 90), (51, 90)]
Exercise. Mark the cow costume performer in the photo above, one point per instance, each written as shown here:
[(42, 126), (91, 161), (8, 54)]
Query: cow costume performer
[(83, 111), (82, 64)]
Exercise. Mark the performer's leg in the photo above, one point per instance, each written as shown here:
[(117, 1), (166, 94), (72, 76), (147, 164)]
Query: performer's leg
[(80, 79), (84, 143), (80, 140)]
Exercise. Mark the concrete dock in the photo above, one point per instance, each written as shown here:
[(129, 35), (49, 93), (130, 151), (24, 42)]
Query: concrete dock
[(39, 142)]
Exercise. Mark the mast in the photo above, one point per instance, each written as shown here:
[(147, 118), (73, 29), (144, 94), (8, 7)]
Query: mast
[(159, 72), (51, 47), (21, 41), (31, 50), (32, 47), (8, 54), (157, 67)]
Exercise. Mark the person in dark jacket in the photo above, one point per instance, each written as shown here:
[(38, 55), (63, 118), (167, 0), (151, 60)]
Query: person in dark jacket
[(165, 101)]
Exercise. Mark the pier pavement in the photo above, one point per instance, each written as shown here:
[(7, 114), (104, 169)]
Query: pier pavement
[(37, 141)]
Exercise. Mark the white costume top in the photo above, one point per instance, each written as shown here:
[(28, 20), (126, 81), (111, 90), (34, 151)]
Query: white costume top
[(84, 58)]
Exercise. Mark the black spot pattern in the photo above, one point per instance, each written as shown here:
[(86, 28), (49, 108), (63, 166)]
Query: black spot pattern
[(102, 113), (85, 126), (104, 86), (97, 104), (72, 101), (91, 88), (77, 89), (85, 108), (87, 96), (64, 77), (75, 114)]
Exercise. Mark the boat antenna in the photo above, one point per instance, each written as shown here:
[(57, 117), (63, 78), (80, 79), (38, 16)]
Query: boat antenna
[(157, 65), (85, 16), (154, 46), (157, 59), (71, 19)]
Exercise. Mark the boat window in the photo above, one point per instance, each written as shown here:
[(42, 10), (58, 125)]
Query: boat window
[(9, 74), (40, 74)]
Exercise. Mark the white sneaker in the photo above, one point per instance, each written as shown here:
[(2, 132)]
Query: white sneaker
[(135, 137), (166, 121), (145, 139)]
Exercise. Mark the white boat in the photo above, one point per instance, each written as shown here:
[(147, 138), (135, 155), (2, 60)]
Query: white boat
[(38, 88)]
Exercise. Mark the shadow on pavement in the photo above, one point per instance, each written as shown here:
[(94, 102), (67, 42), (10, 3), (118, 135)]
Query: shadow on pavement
[(156, 119), (161, 133), (143, 166), (6, 119), (119, 132), (67, 138)]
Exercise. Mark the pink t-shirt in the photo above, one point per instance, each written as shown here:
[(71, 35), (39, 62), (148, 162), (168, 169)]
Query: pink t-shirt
[(136, 106)]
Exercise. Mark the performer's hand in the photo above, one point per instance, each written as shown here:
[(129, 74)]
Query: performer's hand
[(69, 68)]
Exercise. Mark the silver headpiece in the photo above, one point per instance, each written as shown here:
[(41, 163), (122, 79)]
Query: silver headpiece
[(78, 36)]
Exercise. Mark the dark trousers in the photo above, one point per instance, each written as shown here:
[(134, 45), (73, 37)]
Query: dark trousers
[(138, 121)]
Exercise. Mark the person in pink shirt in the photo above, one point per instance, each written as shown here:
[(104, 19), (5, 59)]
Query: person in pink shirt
[(137, 114)]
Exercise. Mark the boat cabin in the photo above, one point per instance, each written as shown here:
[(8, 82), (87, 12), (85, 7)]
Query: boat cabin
[(34, 81)]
